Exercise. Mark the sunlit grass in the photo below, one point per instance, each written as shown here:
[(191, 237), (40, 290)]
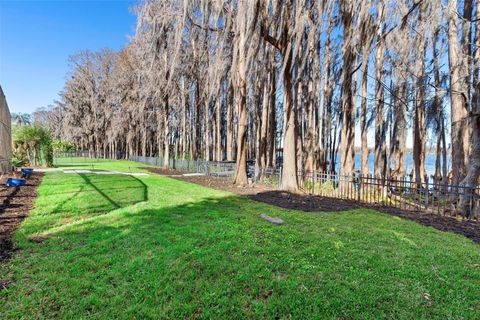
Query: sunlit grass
[(152, 247), (84, 163)]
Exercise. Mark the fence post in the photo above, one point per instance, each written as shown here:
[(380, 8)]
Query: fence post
[(280, 177), (359, 186), (426, 193)]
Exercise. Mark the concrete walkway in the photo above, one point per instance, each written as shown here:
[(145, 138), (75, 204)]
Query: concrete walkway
[(78, 171)]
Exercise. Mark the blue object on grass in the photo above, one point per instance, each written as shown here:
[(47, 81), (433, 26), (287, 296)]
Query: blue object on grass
[(27, 170), (14, 182)]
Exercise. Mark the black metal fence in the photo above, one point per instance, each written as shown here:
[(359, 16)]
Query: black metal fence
[(404, 193)]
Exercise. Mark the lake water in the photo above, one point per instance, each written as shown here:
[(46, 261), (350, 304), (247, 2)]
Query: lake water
[(429, 163)]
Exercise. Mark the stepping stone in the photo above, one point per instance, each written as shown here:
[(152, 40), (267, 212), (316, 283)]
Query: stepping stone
[(273, 220)]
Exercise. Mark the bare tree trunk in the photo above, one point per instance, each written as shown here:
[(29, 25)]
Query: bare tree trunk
[(326, 103), (196, 122), (284, 45), (264, 127), (459, 100), (419, 123), (144, 139), (476, 63), (473, 173), (467, 45), (319, 146), (272, 117), (176, 143), (207, 130), (400, 127), (241, 91), (438, 153), (347, 147), (439, 112), (363, 114), (310, 136), (289, 171), (380, 148), (258, 128), (444, 152), (230, 133), (218, 134), (472, 178), (184, 127), (213, 120), (241, 164), (166, 154), (299, 120)]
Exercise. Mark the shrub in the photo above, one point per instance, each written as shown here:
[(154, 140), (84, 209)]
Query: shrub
[(35, 143)]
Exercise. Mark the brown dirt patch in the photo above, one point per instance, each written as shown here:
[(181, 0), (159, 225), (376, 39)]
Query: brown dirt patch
[(310, 203), (15, 204), (162, 171)]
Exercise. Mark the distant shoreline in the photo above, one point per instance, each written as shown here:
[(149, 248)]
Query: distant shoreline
[(409, 152)]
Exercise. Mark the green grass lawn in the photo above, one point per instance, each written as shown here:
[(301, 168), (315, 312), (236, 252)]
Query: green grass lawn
[(123, 247), (99, 164)]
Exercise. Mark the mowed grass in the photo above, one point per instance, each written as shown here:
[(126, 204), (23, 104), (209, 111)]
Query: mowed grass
[(123, 247), (84, 163)]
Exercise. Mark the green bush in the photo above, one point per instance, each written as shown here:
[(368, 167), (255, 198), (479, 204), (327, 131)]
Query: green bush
[(19, 158), (271, 181), (327, 186), (35, 142), (63, 146)]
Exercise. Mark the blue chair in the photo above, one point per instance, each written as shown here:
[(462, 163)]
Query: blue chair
[(14, 182)]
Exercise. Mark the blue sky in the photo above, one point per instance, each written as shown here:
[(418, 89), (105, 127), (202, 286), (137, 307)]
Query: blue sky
[(37, 37)]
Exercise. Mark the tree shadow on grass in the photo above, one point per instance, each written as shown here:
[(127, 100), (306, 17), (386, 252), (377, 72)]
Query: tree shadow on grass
[(105, 193), (139, 190), (96, 195)]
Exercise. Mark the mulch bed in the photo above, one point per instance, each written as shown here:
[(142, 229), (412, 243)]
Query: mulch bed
[(161, 171), (310, 203), (15, 204)]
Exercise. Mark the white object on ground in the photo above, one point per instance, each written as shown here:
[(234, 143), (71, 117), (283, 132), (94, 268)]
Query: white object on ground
[(273, 220), (193, 174), (137, 174), (76, 171), (47, 169)]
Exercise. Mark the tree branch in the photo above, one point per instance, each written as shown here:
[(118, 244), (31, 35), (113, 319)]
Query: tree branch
[(274, 42)]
